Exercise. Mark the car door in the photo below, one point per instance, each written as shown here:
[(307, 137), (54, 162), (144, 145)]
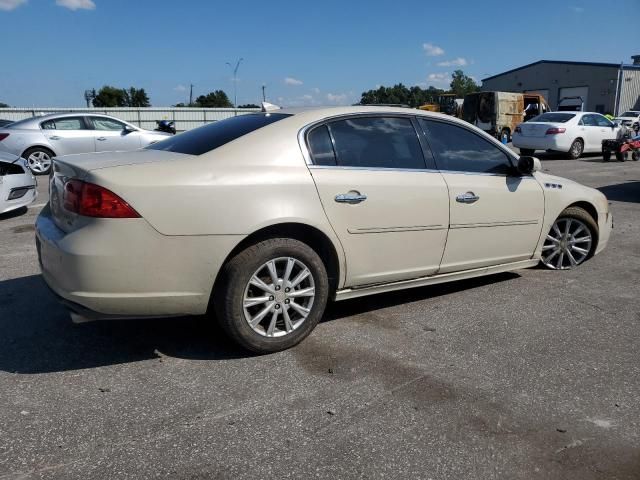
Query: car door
[(495, 215), (590, 132), (68, 135), (607, 129), (386, 203), (110, 135)]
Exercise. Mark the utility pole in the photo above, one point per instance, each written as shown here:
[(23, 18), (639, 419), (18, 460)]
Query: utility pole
[(264, 98), (88, 96), (191, 95), (235, 81)]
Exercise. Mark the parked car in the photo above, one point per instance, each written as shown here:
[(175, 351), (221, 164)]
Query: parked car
[(17, 183), (630, 119), (262, 218), (4, 123), (38, 139), (498, 113), (573, 133)]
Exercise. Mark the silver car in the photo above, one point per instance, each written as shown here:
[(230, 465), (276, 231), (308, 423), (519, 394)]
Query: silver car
[(17, 183), (38, 139)]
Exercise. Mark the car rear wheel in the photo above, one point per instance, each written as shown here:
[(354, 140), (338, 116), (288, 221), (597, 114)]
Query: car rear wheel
[(271, 295), (39, 160), (527, 152), (576, 149), (571, 240)]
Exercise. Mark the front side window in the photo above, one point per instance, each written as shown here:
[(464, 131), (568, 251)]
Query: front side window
[(457, 149), (375, 142), (603, 121), (213, 135), (102, 123), (67, 123)]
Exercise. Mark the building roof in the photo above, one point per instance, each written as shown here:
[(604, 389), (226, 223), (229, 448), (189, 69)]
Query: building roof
[(562, 62)]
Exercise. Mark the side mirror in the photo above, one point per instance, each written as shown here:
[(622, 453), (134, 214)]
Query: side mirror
[(128, 129), (529, 165)]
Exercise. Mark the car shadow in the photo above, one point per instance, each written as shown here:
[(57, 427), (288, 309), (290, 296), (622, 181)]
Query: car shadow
[(18, 212), (623, 192), (586, 157), (39, 337)]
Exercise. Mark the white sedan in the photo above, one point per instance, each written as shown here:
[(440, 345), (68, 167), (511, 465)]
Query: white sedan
[(573, 133), (17, 183), (263, 218)]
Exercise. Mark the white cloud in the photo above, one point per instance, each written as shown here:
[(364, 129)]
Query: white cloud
[(180, 88), (441, 77), (307, 97), (292, 81), (337, 98), (76, 4), (8, 5), (315, 90), (456, 62), (432, 50), (577, 9)]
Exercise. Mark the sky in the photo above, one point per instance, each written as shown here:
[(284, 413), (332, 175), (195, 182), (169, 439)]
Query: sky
[(306, 53)]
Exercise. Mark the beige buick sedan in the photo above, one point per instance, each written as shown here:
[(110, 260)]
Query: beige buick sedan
[(262, 218)]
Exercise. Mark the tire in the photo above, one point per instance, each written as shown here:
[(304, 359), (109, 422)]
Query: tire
[(526, 152), (606, 155), (635, 156), (283, 326), (567, 252), (39, 160), (576, 149), (621, 157)]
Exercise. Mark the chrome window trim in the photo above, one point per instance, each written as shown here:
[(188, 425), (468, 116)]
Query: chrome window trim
[(302, 141), (423, 170)]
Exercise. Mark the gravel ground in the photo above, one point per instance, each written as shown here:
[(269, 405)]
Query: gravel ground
[(534, 374)]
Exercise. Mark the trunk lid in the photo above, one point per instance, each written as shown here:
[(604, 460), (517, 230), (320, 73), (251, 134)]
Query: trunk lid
[(78, 167), (537, 129)]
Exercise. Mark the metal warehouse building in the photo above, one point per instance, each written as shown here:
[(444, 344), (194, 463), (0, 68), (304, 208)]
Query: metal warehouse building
[(604, 87)]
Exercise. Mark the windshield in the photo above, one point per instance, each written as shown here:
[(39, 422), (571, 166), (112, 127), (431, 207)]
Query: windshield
[(553, 117), (209, 137), (630, 114)]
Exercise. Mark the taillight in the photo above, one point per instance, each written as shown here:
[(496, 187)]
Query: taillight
[(3, 136), (555, 131), (518, 130), (92, 200)]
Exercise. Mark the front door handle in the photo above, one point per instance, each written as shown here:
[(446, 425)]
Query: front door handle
[(101, 139), (468, 197), (351, 197), (55, 137)]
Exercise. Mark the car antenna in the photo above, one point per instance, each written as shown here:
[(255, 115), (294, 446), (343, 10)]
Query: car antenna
[(269, 107)]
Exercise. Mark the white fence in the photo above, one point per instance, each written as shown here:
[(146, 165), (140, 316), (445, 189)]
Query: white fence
[(184, 118)]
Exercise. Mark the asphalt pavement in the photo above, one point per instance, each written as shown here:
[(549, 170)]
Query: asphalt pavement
[(526, 375)]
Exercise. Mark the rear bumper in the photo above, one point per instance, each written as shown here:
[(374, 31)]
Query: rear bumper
[(559, 142), (123, 268)]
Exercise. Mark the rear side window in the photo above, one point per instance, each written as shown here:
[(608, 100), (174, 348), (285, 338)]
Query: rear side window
[(67, 123), (457, 149), (209, 137), (370, 142)]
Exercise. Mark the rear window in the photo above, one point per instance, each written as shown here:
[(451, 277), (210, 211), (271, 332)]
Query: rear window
[(209, 137), (553, 117)]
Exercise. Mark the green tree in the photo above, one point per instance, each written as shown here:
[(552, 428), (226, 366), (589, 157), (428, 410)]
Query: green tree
[(136, 97), (3, 105), (461, 84), (249, 105), (215, 99), (400, 94), (109, 96)]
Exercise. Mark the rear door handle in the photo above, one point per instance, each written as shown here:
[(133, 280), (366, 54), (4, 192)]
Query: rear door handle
[(351, 197), (101, 139), (468, 197)]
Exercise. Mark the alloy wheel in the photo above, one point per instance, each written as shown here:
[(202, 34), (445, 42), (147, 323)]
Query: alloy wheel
[(567, 245), (39, 161), (278, 297)]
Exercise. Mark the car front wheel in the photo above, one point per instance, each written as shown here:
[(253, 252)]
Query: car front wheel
[(571, 240), (271, 295)]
